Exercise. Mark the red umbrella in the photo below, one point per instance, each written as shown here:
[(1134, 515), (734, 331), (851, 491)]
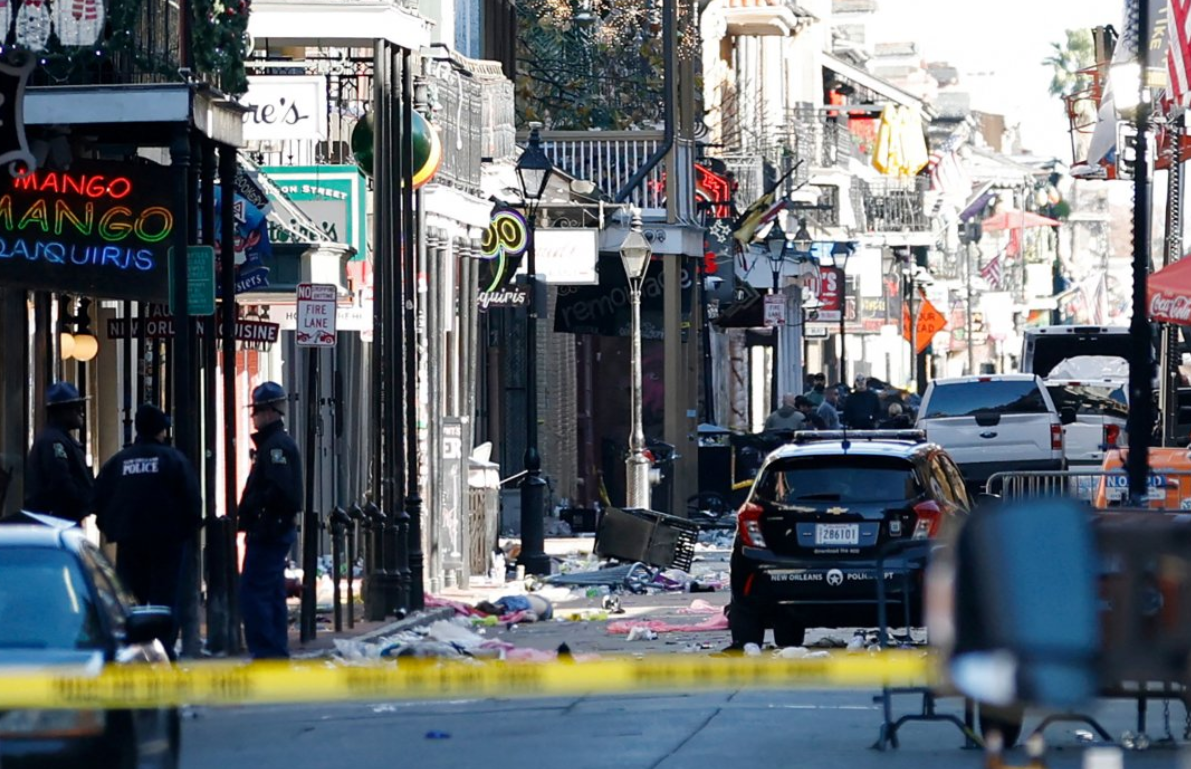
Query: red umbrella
[(1169, 293), (1013, 219)]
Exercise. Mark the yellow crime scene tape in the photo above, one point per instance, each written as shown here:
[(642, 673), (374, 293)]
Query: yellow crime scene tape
[(258, 683)]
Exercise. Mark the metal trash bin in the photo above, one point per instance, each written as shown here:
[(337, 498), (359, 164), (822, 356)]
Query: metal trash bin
[(656, 539)]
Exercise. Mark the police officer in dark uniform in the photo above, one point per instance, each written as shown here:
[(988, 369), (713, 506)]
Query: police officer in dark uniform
[(57, 479), (268, 514), (147, 501)]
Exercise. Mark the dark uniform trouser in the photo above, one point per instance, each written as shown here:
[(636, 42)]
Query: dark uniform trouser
[(153, 572), (262, 596)]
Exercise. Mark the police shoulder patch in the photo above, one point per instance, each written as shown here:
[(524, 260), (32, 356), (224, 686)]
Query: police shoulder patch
[(277, 456), (59, 450)]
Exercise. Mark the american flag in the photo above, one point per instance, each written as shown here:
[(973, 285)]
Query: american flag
[(947, 173), (1178, 50), (992, 272)]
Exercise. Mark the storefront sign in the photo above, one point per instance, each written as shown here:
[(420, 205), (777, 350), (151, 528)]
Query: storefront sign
[(102, 229), (508, 296), (566, 256), (334, 197), (162, 327), (831, 294), (505, 241), (284, 107)]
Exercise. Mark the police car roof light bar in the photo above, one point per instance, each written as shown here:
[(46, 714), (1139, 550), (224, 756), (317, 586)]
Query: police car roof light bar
[(812, 436)]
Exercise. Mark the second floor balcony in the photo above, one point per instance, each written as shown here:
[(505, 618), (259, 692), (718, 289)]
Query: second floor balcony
[(896, 205)]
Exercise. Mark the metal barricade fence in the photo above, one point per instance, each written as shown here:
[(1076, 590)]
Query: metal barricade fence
[(1168, 489)]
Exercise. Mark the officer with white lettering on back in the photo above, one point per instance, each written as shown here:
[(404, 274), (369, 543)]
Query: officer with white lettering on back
[(147, 501)]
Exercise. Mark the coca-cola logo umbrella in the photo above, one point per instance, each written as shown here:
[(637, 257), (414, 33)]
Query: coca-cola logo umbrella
[(1169, 293)]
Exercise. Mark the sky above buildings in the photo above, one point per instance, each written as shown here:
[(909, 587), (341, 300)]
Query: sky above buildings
[(998, 49)]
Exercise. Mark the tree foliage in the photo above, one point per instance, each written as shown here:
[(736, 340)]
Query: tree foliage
[(1069, 61), (589, 65)]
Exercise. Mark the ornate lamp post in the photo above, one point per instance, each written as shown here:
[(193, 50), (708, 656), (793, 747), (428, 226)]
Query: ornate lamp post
[(635, 253), (839, 254), (533, 170)]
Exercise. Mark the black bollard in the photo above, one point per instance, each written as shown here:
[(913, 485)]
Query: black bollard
[(404, 590), (392, 584), (339, 522), (374, 590), (355, 516)]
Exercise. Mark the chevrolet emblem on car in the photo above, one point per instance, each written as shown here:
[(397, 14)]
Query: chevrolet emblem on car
[(836, 510)]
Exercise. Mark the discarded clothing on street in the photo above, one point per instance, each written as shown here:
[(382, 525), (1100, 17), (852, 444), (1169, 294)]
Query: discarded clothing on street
[(715, 622)]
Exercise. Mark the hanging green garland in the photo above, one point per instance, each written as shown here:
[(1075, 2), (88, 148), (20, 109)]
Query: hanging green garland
[(218, 40)]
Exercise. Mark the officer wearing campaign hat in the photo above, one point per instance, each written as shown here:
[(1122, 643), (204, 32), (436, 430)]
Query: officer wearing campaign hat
[(268, 513), (57, 479), (147, 501)]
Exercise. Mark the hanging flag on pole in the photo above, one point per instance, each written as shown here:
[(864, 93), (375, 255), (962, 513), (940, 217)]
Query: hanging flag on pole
[(763, 209), (991, 272), (1178, 51)]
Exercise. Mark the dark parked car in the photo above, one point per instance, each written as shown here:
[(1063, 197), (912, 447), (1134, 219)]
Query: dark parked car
[(62, 605), (819, 512)]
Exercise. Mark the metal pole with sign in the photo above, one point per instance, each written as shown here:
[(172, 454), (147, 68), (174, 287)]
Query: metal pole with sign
[(315, 330)]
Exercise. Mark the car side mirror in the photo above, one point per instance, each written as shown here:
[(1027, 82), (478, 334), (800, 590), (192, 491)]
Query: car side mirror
[(1067, 415), (1015, 605), (149, 623)]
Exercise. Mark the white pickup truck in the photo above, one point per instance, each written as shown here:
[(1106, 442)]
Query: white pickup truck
[(995, 423)]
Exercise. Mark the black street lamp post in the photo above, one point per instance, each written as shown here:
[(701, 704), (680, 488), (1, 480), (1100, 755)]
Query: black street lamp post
[(533, 170), (839, 254), (775, 245)]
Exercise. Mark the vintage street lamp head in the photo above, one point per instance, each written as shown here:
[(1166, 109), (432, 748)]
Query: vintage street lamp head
[(775, 241), (802, 238), (534, 167), (635, 251)]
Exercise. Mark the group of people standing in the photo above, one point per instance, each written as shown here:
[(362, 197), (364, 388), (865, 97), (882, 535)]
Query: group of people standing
[(146, 500), (833, 408)]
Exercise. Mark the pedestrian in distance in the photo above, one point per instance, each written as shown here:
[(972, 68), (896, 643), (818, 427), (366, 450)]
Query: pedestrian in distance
[(897, 419), (815, 393), (863, 407), (147, 501), (827, 412), (268, 513), (810, 416), (787, 417), (57, 479)]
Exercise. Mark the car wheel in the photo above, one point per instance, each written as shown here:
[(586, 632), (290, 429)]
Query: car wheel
[(787, 632), (1007, 720)]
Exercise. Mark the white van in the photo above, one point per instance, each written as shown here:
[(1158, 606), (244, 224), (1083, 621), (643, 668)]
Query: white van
[(995, 423)]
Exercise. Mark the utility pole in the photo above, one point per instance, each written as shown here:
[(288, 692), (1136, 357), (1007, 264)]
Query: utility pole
[(1140, 362)]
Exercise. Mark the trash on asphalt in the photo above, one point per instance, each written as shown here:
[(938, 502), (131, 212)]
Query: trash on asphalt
[(700, 606), (642, 633)]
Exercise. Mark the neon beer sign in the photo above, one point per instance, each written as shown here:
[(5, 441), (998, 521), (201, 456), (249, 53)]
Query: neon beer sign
[(100, 228)]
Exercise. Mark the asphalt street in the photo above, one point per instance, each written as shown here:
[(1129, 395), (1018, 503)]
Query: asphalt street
[(763, 728), (819, 729)]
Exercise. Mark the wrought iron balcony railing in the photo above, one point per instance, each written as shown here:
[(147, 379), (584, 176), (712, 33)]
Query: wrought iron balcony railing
[(609, 159), (814, 135), (896, 205)]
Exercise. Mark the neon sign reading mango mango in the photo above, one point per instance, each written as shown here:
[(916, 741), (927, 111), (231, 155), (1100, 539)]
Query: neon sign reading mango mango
[(76, 206)]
